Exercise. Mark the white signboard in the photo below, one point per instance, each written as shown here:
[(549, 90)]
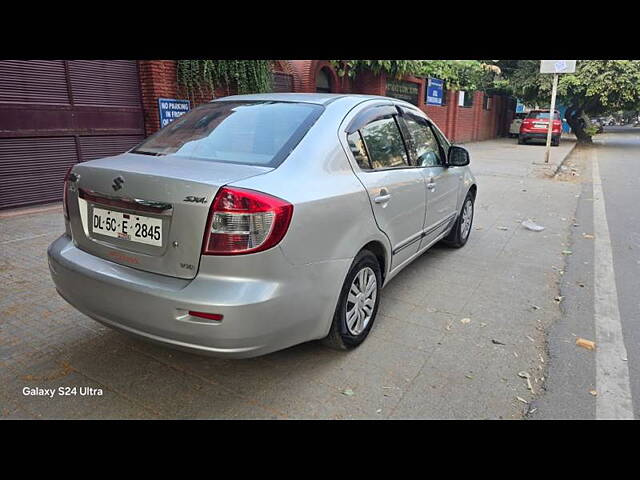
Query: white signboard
[(557, 66)]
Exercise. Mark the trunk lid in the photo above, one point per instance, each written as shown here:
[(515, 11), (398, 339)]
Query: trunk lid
[(148, 212), (537, 123)]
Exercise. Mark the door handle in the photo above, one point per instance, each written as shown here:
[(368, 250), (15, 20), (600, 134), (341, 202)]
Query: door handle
[(431, 185), (384, 196)]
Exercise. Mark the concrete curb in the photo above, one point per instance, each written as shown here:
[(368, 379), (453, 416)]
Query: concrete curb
[(557, 169)]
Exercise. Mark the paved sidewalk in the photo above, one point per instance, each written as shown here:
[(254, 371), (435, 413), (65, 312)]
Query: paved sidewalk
[(420, 360), (503, 156)]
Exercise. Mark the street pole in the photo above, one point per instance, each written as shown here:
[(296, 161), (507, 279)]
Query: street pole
[(551, 117)]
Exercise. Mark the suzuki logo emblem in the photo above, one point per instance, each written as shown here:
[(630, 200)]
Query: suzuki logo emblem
[(117, 183)]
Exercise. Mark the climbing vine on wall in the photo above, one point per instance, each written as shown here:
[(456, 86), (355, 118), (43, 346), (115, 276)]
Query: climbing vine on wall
[(457, 74), (240, 76)]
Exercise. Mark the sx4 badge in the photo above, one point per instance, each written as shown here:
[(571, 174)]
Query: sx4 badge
[(193, 199)]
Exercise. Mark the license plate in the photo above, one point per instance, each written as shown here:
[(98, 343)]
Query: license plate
[(127, 226), (541, 125)]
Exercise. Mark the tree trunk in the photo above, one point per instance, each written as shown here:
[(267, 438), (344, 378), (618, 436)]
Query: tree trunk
[(578, 121)]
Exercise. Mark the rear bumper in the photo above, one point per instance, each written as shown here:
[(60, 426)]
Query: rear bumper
[(261, 315), (539, 136)]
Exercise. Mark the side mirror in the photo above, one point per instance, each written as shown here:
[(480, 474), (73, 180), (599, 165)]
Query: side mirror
[(458, 156)]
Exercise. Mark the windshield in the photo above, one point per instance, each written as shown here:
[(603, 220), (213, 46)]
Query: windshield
[(251, 132), (544, 115)]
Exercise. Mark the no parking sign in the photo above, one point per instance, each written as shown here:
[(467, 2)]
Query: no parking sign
[(170, 109)]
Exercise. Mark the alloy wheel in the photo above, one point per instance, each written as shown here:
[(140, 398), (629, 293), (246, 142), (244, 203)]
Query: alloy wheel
[(361, 301), (467, 216)]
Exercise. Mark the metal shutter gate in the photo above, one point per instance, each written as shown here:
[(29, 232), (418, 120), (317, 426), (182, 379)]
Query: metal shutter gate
[(54, 113)]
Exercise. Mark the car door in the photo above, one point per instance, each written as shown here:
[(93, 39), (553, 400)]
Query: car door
[(442, 182), (396, 189), (515, 126)]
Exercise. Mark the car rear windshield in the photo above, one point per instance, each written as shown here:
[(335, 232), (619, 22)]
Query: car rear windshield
[(250, 132), (543, 115)]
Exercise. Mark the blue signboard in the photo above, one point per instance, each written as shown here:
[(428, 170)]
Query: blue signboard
[(562, 110), (434, 91), (519, 107), (170, 109)]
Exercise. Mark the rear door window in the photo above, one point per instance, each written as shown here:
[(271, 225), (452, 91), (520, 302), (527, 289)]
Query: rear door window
[(356, 144), (384, 144)]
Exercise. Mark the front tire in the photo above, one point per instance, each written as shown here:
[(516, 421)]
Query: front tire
[(460, 231), (358, 303)]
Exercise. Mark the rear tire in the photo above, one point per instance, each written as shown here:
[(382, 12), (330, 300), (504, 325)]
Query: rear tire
[(356, 310), (461, 230), (521, 140), (555, 142)]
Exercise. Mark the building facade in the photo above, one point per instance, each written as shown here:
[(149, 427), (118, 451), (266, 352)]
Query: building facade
[(55, 113)]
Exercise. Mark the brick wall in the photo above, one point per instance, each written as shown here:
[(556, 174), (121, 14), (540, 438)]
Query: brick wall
[(369, 84), (305, 72), (464, 128), (470, 124), (157, 80), (459, 124), (439, 115)]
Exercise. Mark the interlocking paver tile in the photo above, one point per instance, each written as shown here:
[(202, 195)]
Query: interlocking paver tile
[(413, 365)]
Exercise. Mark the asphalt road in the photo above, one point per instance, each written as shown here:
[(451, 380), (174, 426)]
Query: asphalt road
[(600, 288)]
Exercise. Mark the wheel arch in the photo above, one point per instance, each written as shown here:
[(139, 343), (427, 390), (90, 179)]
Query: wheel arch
[(473, 190), (378, 249)]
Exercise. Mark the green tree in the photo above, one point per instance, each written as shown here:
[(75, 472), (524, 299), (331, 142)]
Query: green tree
[(598, 87)]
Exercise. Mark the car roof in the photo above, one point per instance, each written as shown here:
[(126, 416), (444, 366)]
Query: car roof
[(323, 99), (317, 98)]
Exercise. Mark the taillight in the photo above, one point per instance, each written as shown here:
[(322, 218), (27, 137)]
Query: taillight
[(245, 221), (65, 206)]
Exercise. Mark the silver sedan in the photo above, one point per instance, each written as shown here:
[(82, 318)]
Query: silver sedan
[(257, 222)]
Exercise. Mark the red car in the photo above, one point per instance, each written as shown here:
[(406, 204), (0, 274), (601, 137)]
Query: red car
[(536, 125)]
